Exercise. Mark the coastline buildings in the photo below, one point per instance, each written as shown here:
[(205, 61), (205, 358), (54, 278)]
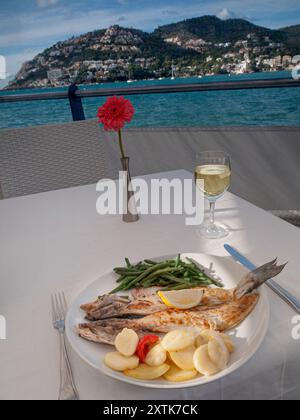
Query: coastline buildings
[(54, 75)]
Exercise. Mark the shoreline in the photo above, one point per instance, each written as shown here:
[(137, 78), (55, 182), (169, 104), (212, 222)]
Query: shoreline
[(10, 89)]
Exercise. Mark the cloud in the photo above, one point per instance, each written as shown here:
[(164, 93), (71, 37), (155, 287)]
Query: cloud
[(226, 14), (46, 3), (170, 12), (15, 61), (40, 28), (122, 2)]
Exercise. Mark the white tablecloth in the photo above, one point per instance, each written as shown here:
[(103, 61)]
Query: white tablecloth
[(56, 241)]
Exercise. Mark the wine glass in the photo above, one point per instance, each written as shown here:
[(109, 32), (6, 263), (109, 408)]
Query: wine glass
[(214, 169)]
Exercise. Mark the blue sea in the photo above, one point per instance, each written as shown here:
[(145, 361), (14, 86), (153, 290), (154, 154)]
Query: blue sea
[(229, 108)]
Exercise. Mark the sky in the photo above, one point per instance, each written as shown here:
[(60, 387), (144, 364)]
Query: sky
[(28, 27)]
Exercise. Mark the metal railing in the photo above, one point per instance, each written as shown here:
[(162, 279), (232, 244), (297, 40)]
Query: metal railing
[(75, 95)]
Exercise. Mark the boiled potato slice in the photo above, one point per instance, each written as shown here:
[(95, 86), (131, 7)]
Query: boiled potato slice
[(202, 362), (228, 343), (218, 353), (126, 342), (184, 358), (177, 340), (169, 360), (175, 374), (201, 340), (118, 362), (207, 335), (146, 372), (156, 356)]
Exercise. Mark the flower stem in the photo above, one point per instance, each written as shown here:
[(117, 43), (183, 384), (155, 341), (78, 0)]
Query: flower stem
[(121, 144)]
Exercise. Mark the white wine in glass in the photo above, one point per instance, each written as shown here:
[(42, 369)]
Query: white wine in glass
[(213, 168)]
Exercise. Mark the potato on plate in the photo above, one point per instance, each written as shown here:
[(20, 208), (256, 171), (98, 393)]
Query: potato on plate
[(156, 356), (200, 340), (218, 353), (126, 342), (184, 358), (228, 342), (207, 335), (177, 340), (203, 363), (116, 361), (174, 374), (146, 372)]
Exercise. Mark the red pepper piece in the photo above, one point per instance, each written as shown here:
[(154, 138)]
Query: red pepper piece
[(143, 347)]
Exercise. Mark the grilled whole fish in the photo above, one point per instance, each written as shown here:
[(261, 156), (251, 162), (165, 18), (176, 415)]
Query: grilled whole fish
[(220, 310), (144, 302), (220, 318)]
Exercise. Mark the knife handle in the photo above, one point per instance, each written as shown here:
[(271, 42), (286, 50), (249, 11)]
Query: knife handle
[(285, 295)]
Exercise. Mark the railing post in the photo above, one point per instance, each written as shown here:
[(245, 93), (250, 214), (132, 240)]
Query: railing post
[(76, 104)]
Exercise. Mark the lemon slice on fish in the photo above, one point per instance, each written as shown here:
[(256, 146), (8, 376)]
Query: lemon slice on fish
[(181, 299)]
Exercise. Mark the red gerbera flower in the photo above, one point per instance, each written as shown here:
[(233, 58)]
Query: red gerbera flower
[(115, 113)]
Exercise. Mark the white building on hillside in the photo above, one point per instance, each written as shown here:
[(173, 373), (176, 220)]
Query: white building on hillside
[(54, 75)]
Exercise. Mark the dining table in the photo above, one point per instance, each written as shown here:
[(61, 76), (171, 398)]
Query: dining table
[(56, 241)]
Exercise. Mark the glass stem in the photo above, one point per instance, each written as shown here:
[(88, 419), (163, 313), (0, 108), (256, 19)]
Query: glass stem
[(212, 212)]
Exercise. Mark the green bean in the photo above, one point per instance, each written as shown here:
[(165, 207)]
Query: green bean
[(165, 270), (150, 262), (172, 278), (178, 261), (177, 287), (120, 279), (130, 273), (125, 283), (217, 283), (194, 266), (170, 274), (117, 289), (145, 274), (120, 269), (182, 286), (128, 263), (150, 283), (180, 281), (163, 282)]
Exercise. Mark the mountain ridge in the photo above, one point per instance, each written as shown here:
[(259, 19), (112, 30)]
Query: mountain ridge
[(205, 44)]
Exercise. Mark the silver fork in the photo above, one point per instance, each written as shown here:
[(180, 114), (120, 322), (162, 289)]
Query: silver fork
[(67, 389)]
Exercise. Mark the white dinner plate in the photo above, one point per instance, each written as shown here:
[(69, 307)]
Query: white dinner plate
[(247, 337)]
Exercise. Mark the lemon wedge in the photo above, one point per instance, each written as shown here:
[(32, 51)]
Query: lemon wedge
[(181, 299)]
